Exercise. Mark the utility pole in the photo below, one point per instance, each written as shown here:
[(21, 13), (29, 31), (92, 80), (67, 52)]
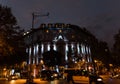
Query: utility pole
[(35, 15)]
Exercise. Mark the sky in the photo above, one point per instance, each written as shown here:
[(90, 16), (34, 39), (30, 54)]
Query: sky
[(100, 17)]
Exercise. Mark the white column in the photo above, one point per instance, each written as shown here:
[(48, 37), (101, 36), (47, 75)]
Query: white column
[(33, 54), (30, 55), (83, 52), (86, 52), (82, 49), (89, 51), (48, 47), (42, 49), (78, 49), (37, 55), (27, 51), (66, 50), (55, 47)]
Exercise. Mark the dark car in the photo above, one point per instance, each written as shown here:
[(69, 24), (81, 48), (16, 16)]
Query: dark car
[(46, 75), (95, 79), (29, 80), (49, 75), (55, 75)]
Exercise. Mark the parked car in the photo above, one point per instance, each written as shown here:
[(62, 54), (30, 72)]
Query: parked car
[(13, 77), (46, 75), (95, 79), (29, 80), (117, 76), (55, 75), (49, 75), (83, 76)]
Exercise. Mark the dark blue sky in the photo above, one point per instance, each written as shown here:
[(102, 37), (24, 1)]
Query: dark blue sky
[(101, 17)]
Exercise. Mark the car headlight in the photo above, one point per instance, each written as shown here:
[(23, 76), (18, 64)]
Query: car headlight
[(51, 76), (55, 75), (13, 77), (99, 79)]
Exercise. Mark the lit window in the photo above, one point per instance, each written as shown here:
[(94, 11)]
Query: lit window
[(47, 31), (73, 36), (60, 31)]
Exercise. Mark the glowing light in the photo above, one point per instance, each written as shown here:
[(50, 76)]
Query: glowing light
[(82, 48), (48, 47), (42, 62), (60, 31), (78, 48), (72, 46), (47, 31), (66, 47), (26, 50), (34, 72), (66, 50), (42, 48), (60, 37), (29, 55), (37, 48), (87, 49), (55, 48), (12, 81), (30, 51), (34, 50), (89, 67)]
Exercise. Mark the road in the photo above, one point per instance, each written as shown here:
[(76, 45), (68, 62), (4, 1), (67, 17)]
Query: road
[(108, 80), (38, 81)]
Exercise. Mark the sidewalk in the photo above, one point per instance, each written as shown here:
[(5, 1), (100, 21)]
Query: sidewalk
[(3, 79)]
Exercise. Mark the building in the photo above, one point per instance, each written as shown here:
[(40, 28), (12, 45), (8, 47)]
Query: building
[(71, 41)]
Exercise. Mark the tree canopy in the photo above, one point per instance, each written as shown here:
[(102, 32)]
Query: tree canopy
[(52, 58), (116, 49), (10, 35)]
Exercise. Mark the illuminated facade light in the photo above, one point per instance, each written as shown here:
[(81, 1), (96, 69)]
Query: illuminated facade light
[(47, 31), (60, 36), (48, 47), (60, 31)]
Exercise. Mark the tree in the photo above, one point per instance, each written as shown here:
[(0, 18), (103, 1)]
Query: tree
[(104, 53), (10, 36), (99, 50), (6, 23), (116, 49), (52, 58)]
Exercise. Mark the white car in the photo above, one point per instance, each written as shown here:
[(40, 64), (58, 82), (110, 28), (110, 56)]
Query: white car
[(82, 76), (117, 76)]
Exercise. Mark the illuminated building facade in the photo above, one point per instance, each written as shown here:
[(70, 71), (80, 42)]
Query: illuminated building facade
[(69, 40)]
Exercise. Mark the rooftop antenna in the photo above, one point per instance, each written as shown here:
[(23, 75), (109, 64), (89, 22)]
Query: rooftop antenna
[(35, 15)]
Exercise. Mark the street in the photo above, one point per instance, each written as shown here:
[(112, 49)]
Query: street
[(38, 81)]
